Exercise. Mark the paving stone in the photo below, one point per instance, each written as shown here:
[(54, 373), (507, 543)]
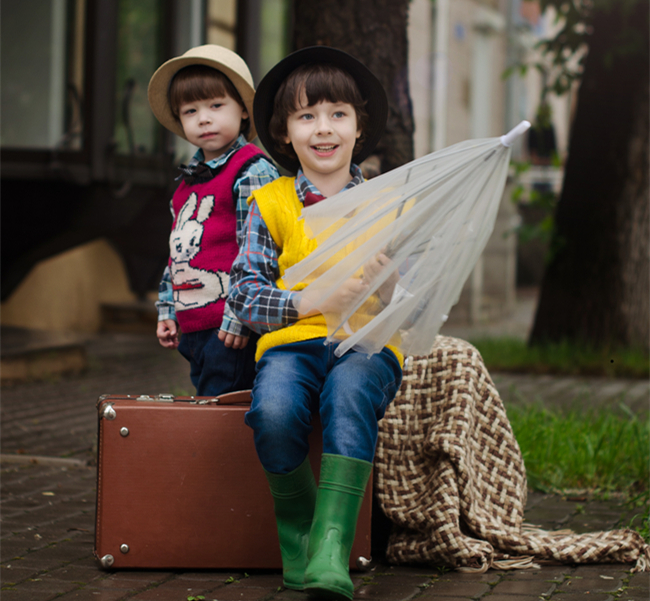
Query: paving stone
[(468, 590), (42, 584), (547, 574), (634, 596), (289, 595), (387, 588), (534, 498), (12, 549), (270, 581), (599, 585), (52, 512), (22, 503), (89, 562), (489, 577), (217, 576), (638, 588), (384, 569), (404, 578), (132, 581), (640, 580), (519, 597), (608, 583), (49, 558), (25, 594), (231, 593), (171, 589), (11, 575), (36, 479), (74, 573), (93, 594), (548, 517), (581, 597), (583, 523), (524, 587), (32, 539), (180, 583), (589, 571)]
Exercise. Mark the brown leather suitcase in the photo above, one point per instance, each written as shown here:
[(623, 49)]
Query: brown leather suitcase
[(179, 485)]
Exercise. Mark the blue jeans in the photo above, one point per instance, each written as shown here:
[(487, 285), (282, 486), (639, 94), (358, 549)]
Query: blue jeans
[(214, 368), (295, 380)]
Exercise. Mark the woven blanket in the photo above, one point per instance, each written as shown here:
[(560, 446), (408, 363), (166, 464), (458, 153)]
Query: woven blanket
[(450, 475)]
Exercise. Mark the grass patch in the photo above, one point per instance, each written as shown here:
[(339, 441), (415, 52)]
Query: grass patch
[(514, 355), (592, 450), (597, 451)]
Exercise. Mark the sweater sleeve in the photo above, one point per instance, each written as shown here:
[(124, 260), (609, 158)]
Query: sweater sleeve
[(254, 297)]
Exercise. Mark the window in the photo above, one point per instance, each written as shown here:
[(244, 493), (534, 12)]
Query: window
[(139, 52), (42, 74)]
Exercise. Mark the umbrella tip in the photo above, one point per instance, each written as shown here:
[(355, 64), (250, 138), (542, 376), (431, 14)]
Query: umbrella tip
[(508, 139)]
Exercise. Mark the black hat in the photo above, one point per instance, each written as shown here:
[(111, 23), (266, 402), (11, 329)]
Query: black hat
[(371, 91)]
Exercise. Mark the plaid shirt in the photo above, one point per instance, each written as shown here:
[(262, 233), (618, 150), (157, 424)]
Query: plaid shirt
[(254, 296), (258, 174)]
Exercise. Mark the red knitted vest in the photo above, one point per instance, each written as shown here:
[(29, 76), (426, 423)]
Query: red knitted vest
[(203, 244)]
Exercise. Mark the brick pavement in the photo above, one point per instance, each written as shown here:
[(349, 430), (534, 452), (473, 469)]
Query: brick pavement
[(48, 506)]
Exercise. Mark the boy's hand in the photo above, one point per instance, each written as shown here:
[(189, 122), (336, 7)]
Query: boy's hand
[(233, 340), (373, 269), (343, 297), (167, 332)]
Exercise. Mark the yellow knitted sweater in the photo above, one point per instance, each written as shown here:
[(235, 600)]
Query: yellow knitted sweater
[(280, 208)]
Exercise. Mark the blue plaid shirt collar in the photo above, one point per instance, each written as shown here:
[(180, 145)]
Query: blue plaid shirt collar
[(198, 157), (303, 185)]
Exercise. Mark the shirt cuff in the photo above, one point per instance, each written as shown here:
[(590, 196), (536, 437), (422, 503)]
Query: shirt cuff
[(231, 325), (165, 311)]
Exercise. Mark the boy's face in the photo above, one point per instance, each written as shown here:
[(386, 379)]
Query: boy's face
[(323, 137), (212, 124)]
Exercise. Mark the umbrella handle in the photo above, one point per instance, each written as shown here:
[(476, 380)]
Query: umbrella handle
[(508, 139)]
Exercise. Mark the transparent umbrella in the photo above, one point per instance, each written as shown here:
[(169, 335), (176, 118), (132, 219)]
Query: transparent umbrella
[(427, 223)]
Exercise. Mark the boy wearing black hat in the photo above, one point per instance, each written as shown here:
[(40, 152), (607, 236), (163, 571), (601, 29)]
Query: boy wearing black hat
[(319, 113)]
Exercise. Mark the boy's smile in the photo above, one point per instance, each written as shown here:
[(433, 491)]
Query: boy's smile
[(212, 124), (323, 137)]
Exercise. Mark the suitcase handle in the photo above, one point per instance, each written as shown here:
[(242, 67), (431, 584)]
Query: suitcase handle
[(232, 398)]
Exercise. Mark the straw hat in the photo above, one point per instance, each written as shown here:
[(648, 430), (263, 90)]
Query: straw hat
[(211, 55), (371, 91)]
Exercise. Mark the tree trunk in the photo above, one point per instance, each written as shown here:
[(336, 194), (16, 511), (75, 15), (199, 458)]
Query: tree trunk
[(373, 31), (595, 289)]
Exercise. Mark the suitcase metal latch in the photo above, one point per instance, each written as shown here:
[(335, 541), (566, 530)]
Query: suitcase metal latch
[(162, 398), (207, 401), (107, 561), (108, 412)]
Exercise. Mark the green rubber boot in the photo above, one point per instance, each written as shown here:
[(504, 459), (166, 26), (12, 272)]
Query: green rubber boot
[(340, 494), (294, 498)]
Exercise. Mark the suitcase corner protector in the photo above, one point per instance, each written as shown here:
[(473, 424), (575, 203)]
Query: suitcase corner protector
[(105, 561)]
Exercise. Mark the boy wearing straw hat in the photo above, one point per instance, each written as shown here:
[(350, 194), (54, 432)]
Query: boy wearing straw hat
[(206, 97), (319, 112)]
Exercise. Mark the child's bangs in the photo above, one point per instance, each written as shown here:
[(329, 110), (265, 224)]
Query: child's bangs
[(328, 83), (199, 82)]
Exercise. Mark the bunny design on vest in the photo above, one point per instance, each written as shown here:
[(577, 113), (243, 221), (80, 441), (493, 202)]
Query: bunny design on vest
[(193, 287), (203, 243)]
